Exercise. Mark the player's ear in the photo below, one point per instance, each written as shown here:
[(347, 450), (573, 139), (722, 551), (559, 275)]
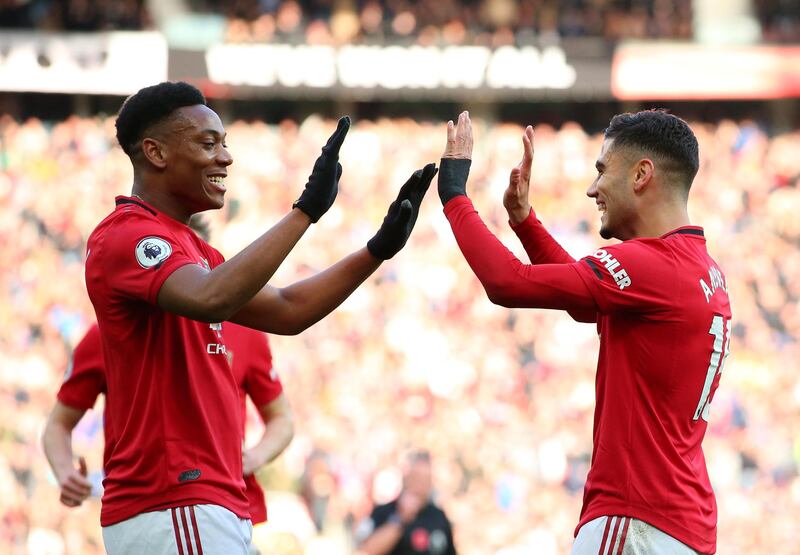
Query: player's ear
[(155, 152), (643, 174)]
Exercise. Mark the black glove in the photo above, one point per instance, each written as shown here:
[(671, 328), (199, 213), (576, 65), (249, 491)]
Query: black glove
[(453, 176), (402, 215), (323, 183)]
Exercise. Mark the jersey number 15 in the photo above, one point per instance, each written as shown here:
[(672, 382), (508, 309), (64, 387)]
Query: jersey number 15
[(721, 330)]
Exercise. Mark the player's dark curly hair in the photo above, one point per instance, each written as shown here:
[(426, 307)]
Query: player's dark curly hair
[(662, 135), (150, 106)]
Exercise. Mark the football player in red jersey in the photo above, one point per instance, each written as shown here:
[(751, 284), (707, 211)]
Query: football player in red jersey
[(251, 361), (163, 297), (661, 308)]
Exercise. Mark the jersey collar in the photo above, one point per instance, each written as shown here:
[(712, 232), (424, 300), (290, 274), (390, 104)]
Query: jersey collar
[(685, 230), (120, 200)]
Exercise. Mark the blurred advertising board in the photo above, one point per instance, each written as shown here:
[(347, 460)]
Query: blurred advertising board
[(380, 72), (664, 71), (118, 63)]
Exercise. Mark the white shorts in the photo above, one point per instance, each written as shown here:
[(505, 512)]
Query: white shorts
[(621, 535), (192, 530)]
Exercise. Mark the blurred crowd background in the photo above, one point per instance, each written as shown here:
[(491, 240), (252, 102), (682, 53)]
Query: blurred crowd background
[(486, 22), (418, 357)]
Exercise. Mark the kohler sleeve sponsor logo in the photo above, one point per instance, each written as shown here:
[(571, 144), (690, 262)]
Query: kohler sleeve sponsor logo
[(619, 274)]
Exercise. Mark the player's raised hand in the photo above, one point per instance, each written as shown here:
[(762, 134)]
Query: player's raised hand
[(402, 215), (456, 159), (516, 197), (75, 488), (323, 183)]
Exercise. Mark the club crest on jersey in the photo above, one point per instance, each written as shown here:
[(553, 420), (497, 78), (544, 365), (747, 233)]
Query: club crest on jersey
[(152, 251)]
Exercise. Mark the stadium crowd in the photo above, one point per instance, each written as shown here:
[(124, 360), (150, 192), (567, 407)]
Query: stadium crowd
[(487, 22), (505, 409)]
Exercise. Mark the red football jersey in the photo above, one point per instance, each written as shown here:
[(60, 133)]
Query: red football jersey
[(85, 377), (85, 380), (171, 393), (251, 359), (663, 315), (664, 326)]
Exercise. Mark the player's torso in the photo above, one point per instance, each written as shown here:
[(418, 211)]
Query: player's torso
[(171, 392), (158, 343), (656, 377)]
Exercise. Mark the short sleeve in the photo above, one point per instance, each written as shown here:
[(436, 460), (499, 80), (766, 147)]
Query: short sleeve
[(138, 255), (85, 378), (629, 277), (262, 383)]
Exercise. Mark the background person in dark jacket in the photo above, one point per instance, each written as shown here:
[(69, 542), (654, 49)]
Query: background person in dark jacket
[(411, 524)]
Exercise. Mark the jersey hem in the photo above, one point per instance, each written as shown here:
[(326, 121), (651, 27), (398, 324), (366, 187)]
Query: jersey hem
[(696, 542), (114, 515)]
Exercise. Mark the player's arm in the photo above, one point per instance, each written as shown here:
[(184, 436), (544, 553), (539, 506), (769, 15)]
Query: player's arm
[(539, 245), (215, 295), (278, 433), (290, 310), (57, 443), (507, 281)]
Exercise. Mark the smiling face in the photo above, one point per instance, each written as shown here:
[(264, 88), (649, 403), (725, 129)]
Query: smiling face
[(197, 158), (612, 189)]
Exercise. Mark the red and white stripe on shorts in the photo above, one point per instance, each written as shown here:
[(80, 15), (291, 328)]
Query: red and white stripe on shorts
[(187, 534), (614, 535)]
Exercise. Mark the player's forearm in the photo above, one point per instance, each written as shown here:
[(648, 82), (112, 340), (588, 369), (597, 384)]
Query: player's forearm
[(507, 281), (278, 433), (304, 303), (241, 277), (57, 444), (540, 246), (216, 295)]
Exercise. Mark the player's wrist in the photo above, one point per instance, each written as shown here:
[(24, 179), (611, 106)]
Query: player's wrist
[(297, 209), (62, 474), (453, 175), (518, 215)]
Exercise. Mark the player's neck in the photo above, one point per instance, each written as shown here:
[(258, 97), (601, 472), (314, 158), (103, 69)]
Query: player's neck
[(662, 219), (161, 201)]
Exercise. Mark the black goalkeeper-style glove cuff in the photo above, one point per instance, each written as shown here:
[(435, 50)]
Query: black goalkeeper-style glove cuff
[(453, 174), (323, 183), (402, 215)]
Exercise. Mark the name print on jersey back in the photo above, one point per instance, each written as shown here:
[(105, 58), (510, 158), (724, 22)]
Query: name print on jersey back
[(717, 281)]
